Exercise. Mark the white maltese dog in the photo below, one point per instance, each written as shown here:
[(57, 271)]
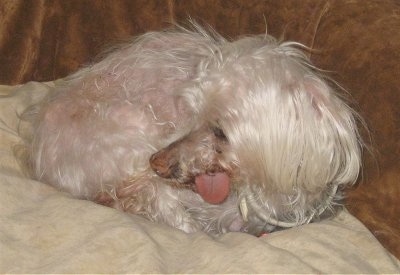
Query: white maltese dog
[(188, 129)]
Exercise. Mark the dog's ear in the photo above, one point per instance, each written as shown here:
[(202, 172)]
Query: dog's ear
[(296, 138), (337, 129), (318, 93)]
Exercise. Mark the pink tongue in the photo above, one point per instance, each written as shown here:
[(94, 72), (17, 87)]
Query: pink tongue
[(213, 188)]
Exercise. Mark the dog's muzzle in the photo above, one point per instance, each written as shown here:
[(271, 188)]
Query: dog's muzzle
[(213, 186)]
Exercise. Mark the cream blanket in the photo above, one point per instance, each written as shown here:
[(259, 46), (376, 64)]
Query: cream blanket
[(45, 231)]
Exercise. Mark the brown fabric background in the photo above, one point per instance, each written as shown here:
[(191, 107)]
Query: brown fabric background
[(358, 40)]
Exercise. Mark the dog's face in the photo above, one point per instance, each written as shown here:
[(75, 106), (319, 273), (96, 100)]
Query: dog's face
[(199, 161), (269, 126)]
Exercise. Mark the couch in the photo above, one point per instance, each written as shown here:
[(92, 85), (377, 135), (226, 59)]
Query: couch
[(42, 230)]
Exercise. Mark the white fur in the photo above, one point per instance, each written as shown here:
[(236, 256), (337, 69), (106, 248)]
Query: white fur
[(290, 140)]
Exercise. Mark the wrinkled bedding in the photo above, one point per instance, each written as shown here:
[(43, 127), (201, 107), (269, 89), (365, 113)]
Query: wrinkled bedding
[(43, 230)]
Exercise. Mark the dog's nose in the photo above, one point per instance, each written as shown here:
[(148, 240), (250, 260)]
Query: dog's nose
[(161, 164)]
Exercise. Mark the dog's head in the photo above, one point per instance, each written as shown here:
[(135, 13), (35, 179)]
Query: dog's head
[(269, 130)]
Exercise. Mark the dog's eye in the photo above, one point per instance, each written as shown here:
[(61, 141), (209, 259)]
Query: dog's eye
[(218, 133)]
